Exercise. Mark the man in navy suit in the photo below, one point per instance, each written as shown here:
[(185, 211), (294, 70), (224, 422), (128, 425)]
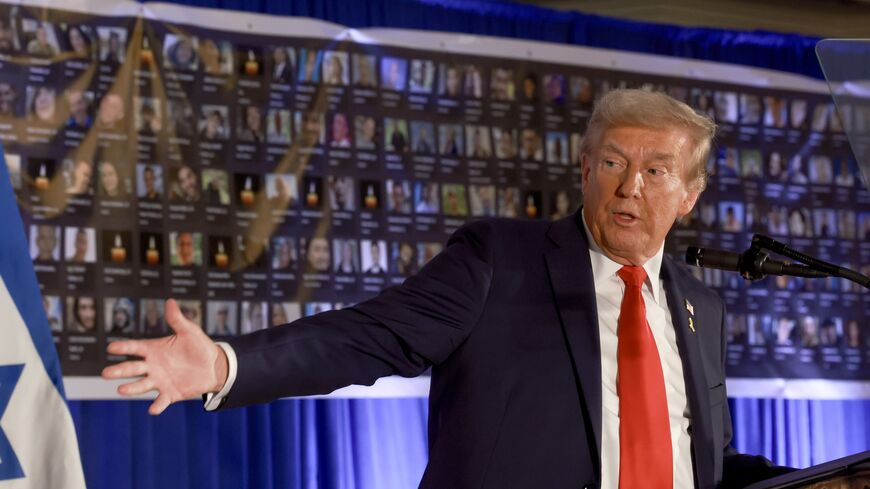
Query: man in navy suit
[(523, 324)]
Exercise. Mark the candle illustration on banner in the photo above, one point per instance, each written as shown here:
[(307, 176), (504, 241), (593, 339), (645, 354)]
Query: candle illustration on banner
[(42, 180), (312, 199), (220, 258), (247, 194), (252, 67), (119, 253), (146, 56), (531, 207), (371, 200), (152, 256)]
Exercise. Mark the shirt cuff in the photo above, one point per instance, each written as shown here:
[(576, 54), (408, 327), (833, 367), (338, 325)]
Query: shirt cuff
[(212, 401)]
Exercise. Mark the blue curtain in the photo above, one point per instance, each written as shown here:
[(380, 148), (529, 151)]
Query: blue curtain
[(800, 433), (381, 443), (294, 444), (369, 443)]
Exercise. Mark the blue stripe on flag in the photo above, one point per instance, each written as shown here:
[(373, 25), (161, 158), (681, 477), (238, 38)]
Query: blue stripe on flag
[(10, 468), (16, 269)]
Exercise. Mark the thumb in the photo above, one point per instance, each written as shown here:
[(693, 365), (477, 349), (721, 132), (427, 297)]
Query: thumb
[(176, 320)]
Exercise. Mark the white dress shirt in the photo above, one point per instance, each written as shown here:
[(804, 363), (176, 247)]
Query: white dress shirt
[(212, 400), (609, 289)]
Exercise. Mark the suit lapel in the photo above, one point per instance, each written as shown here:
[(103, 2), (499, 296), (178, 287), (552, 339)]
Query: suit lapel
[(570, 272), (693, 370)]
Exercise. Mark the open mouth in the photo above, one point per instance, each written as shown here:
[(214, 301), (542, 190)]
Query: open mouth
[(625, 218)]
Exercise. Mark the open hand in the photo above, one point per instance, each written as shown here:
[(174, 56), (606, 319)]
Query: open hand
[(182, 366)]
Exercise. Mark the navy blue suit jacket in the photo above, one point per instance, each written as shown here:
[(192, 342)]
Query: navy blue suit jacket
[(506, 318)]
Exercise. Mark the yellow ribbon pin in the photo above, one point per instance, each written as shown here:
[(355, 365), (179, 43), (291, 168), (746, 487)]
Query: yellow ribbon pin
[(692, 325)]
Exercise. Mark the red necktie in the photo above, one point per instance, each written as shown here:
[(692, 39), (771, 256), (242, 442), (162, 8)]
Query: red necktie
[(645, 456)]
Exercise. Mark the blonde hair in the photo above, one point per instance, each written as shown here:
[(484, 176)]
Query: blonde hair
[(644, 108)]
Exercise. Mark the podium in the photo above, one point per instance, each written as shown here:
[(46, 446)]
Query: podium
[(852, 472)]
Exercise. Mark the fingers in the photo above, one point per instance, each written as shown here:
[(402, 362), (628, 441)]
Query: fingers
[(159, 405), (141, 386), (176, 320), (128, 347), (125, 370)]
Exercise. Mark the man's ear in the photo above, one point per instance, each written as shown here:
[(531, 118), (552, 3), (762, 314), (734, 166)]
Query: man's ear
[(584, 172), (688, 203)]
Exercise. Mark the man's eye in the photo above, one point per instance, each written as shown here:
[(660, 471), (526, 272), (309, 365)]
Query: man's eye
[(655, 172)]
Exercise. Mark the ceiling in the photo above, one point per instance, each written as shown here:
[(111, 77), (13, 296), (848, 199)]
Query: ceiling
[(818, 18)]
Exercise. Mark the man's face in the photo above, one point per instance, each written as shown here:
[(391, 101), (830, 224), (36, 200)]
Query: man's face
[(406, 253), (500, 82), (184, 53), (634, 188), (369, 129), (376, 254), (339, 127), (185, 249), (187, 181), (398, 196), (46, 240), (222, 316), (452, 83), (318, 254), (213, 123), (417, 72), (529, 88), (312, 126), (43, 100), (365, 72), (119, 317), (252, 117), (77, 104), (81, 242), (111, 109), (333, 69), (347, 252), (393, 74), (279, 55), (148, 175), (152, 314)]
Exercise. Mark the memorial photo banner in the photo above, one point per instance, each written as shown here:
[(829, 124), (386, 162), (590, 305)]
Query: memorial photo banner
[(260, 169)]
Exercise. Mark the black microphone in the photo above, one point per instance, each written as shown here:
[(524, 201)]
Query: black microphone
[(751, 267)]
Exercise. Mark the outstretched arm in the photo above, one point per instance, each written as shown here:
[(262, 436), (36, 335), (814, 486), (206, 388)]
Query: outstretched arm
[(403, 330)]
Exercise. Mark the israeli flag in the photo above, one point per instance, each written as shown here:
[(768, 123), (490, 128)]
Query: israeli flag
[(38, 447)]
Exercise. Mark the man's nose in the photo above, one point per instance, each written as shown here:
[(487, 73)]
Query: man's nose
[(631, 183)]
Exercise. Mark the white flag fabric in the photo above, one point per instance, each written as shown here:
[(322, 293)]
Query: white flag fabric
[(38, 447)]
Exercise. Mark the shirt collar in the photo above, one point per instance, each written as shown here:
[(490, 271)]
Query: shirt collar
[(605, 269)]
